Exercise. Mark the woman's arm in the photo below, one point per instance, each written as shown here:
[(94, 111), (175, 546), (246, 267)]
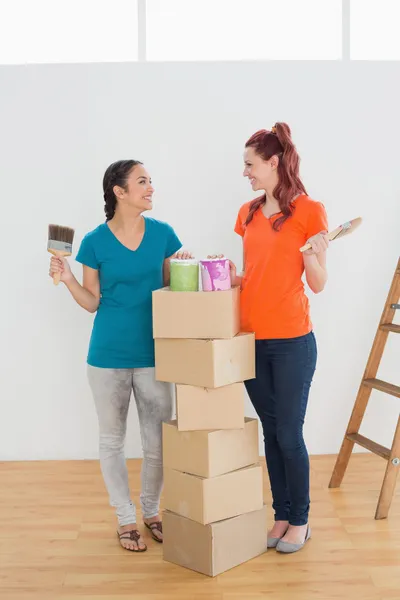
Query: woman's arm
[(315, 262), (86, 295)]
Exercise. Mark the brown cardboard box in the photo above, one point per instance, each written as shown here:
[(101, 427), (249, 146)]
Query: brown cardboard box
[(206, 363), (197, 315), (215, 548), (210, 453), (214, 499), (199, 408)]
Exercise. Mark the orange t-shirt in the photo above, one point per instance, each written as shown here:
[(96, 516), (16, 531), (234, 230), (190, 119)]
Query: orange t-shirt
[(273, 302)]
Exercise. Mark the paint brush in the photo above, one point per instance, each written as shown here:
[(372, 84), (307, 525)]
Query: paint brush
[(60, 244), (340, 231)]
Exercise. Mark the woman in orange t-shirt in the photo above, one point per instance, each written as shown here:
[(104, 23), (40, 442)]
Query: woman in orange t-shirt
[(275, 307)]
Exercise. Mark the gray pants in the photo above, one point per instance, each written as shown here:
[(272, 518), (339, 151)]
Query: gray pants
[(112, 390)]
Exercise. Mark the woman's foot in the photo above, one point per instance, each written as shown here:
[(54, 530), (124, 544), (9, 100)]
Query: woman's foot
[(294, 539), (130, 538), (277, 532), (155, 526), (296, 534), (279, 529)]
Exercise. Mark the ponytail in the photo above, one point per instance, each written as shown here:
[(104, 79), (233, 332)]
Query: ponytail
[(278, 142)]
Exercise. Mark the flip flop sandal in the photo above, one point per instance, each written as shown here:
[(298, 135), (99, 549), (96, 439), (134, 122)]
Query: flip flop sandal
[(134, 536), (153, 526)]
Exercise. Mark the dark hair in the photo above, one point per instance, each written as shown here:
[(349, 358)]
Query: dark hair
[(116, 174), (278, 142)]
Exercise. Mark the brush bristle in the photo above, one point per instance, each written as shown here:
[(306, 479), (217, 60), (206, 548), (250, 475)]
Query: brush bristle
[(59, 233)]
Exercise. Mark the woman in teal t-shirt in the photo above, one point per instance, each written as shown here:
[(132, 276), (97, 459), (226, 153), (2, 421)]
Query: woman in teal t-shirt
[(124, 260)]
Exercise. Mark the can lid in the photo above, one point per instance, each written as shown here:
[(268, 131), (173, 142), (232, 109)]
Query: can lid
[(184, 261), (221, 258)]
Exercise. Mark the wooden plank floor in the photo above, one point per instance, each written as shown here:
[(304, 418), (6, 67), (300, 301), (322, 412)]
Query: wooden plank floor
[(58, 542)]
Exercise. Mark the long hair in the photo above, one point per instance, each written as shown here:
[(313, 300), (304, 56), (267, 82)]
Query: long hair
[(278, 142), (116, 174)]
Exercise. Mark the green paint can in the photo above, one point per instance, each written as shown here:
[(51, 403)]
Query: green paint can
[(184, 275)]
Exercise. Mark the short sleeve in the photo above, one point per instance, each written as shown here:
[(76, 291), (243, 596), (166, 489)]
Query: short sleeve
[(86, 255), (173, 242), (317, 219), (241, 219)]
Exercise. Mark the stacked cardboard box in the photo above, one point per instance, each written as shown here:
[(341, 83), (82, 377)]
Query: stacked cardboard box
[(213, 491)]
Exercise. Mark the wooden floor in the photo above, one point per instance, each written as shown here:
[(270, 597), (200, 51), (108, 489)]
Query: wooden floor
[(58, 542)]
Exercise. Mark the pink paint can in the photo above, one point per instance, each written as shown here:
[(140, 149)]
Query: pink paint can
[(215, 274)]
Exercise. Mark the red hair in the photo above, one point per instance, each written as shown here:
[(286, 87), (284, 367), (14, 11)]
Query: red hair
[(278, 142)]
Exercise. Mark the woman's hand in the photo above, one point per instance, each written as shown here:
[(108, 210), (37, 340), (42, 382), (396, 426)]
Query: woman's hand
[(319, 243), (60, 265), (235, 279), (183, 255)]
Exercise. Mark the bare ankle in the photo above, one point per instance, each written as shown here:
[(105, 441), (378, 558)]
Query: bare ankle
[(128, 527), (152, 519), (280, 527)]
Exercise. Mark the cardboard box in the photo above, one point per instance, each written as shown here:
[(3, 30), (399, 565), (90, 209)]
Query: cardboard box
[(215, 548), (198, 315), (206, 363), (209, 500), (200, 408), (210, 453)]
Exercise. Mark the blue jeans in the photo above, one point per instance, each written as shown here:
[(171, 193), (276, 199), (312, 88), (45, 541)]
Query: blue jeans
[(279, 394)]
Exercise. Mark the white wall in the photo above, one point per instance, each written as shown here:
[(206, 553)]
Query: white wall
[(60, 128)]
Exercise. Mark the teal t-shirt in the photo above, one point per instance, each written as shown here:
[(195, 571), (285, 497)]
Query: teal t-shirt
[(122, 336)]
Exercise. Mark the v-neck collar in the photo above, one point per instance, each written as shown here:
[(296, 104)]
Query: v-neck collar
[(123, 245), (277, 214)]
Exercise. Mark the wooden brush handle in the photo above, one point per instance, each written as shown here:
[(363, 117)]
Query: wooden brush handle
[(58, 254), (57, 276), (331, 236), (305, 247)]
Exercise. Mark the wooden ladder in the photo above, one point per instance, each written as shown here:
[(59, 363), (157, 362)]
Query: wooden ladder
[(368, 383)]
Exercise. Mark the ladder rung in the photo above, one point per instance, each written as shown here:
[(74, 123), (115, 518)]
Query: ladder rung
[(391, 327), (383, 386), (395, 306), (369, 445)]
